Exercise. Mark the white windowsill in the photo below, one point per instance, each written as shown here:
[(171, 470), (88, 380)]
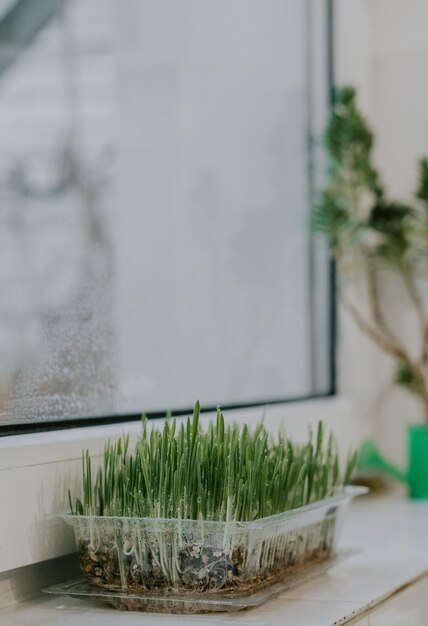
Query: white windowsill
[(36, 471), (58, 445)]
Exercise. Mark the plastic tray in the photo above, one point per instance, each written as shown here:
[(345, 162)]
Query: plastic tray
[(158, 559), (169, 602)]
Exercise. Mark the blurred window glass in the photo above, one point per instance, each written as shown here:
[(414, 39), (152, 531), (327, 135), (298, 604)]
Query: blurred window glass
[(156, 175)]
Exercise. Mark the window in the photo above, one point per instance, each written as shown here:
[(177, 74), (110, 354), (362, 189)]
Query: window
[(157, 166)]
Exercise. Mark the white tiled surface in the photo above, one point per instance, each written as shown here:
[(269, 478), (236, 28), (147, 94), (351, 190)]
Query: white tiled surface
[(367, 576), (390, 522), (393, 534), (408, 608)]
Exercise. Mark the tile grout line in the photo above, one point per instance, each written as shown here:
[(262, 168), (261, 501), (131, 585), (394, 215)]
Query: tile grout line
[(374, 604)]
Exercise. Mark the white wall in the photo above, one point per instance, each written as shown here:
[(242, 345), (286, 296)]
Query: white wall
[(382, 48)]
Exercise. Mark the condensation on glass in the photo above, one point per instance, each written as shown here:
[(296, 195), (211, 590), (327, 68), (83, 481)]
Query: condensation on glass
[(154, 218)]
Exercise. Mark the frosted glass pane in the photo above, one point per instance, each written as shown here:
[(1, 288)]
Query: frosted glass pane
[(154, 235)]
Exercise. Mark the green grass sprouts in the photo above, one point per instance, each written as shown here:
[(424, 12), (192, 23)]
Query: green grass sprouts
[(224, 473)]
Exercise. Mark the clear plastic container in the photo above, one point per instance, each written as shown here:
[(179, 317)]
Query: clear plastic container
[(161, 558)]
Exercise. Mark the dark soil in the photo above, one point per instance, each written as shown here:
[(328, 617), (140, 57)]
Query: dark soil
[(202, 568)]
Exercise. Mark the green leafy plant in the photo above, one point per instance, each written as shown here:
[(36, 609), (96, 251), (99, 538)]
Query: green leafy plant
[(372, 235), (194, 508), (223, 473)]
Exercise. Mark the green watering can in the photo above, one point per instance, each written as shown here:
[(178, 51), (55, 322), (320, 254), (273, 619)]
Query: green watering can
[(416, 476)]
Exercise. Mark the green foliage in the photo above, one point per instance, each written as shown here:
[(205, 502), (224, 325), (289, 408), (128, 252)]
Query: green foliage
[(224, 473), (330, 217), (349, 141), (422, 191), (405, 377), (353, 205), (390, 219), (369, 232)]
